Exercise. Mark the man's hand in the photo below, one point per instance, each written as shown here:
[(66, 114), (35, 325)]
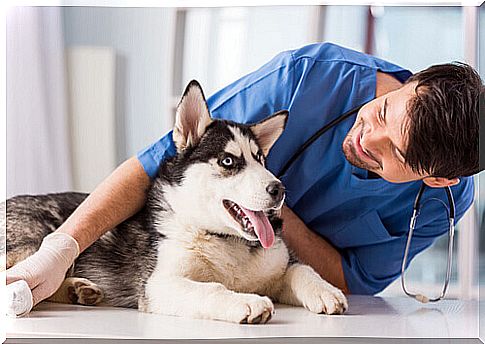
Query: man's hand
[(45, 270), (117, 198)]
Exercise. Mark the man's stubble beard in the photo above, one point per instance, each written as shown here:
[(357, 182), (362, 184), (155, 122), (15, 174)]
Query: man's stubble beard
[(350, 153)]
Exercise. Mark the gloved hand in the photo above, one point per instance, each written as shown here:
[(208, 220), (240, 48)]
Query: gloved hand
[(45, 270)]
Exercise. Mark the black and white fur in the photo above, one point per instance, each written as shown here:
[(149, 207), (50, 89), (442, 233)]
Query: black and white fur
[(184, 254)]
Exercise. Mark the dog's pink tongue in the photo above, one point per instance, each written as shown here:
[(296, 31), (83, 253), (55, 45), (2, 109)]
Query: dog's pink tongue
[(262, 227)]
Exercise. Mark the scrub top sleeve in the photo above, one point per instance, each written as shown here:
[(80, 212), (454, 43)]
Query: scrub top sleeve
[(152, 156)]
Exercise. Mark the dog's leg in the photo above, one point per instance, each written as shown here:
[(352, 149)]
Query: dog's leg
[(78, 291), (302, 286), (183, 297)]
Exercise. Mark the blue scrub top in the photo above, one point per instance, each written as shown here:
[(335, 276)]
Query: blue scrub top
[(365, 219)]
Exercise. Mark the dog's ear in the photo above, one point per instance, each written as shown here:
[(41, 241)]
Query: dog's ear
[(192, 117), (269, 130)]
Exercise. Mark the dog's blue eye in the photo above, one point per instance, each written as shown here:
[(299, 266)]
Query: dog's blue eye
[(227, 161)]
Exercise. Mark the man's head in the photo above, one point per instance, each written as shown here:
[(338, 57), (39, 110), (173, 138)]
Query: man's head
[(427, 129)]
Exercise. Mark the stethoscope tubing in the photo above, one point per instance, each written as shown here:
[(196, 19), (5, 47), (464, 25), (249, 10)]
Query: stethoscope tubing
[(315, 136)]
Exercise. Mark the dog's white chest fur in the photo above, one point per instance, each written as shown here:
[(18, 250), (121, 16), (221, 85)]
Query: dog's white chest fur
[(208, 276), (204, 257)]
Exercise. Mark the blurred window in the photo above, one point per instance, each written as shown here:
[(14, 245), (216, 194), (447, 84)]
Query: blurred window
[(224, 44)]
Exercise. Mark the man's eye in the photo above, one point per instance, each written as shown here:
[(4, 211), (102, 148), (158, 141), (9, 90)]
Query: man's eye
[(381, 115), (397, 155), (400, 157), (227, 161)]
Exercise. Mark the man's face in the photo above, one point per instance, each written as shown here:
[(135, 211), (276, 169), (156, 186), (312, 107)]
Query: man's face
[(378, 139)]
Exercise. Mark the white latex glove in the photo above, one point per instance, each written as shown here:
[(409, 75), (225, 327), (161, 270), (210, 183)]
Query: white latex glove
[(45, 270)]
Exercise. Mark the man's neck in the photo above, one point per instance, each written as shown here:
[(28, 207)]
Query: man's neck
[(386, 83)]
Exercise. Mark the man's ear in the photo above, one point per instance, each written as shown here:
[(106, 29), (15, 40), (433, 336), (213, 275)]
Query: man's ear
[(269, 130), (191, 118), (438, 182)]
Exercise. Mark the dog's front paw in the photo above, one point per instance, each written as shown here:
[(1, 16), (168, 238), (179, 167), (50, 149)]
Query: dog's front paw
[(324, 298), (84, 292), (251, 309)]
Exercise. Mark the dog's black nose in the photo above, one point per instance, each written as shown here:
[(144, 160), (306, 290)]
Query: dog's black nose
[(276, 190)]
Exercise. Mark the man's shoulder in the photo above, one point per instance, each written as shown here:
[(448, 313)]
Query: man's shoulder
[(328, 53), (331, 52), (320, 52)]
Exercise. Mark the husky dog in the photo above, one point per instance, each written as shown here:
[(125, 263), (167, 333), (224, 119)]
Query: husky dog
[(208, 242)]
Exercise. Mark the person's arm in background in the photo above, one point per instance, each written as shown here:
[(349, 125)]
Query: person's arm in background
[(117, 198)]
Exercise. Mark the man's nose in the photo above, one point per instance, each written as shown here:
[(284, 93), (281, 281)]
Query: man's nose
[(375, 139)]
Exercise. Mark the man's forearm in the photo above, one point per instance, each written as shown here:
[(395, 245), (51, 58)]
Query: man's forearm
[(313, 250), (117, 198)]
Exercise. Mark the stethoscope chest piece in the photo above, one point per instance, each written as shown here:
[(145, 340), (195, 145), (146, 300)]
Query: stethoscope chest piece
[(451, 231)]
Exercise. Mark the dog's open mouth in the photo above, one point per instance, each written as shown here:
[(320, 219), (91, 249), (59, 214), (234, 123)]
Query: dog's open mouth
[(254, 224)]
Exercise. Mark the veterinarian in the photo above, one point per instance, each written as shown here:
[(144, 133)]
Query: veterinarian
[(350, 195)]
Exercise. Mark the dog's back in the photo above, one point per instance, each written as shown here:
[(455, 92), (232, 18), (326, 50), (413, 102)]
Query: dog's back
[(29, 219), (119, 262)]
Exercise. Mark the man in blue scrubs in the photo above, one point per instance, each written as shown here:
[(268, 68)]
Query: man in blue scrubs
[(350, 195)]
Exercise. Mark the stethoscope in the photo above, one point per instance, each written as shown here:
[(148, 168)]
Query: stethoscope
[(416, 209)]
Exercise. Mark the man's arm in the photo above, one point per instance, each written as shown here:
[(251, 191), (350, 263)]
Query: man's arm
[(312, 249), (117, 198)]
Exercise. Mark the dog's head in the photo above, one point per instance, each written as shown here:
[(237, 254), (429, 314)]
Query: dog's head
[(221, 183)]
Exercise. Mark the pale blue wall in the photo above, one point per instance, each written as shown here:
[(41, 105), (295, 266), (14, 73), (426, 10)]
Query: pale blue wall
[(141, 38)]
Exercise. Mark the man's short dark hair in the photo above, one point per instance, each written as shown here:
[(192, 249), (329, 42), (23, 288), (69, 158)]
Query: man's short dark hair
[(443, 121)]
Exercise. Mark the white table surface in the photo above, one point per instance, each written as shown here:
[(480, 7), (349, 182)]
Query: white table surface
[(367, 317)]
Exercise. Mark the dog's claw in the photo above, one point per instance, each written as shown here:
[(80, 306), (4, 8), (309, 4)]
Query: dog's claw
[(257, 309)]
